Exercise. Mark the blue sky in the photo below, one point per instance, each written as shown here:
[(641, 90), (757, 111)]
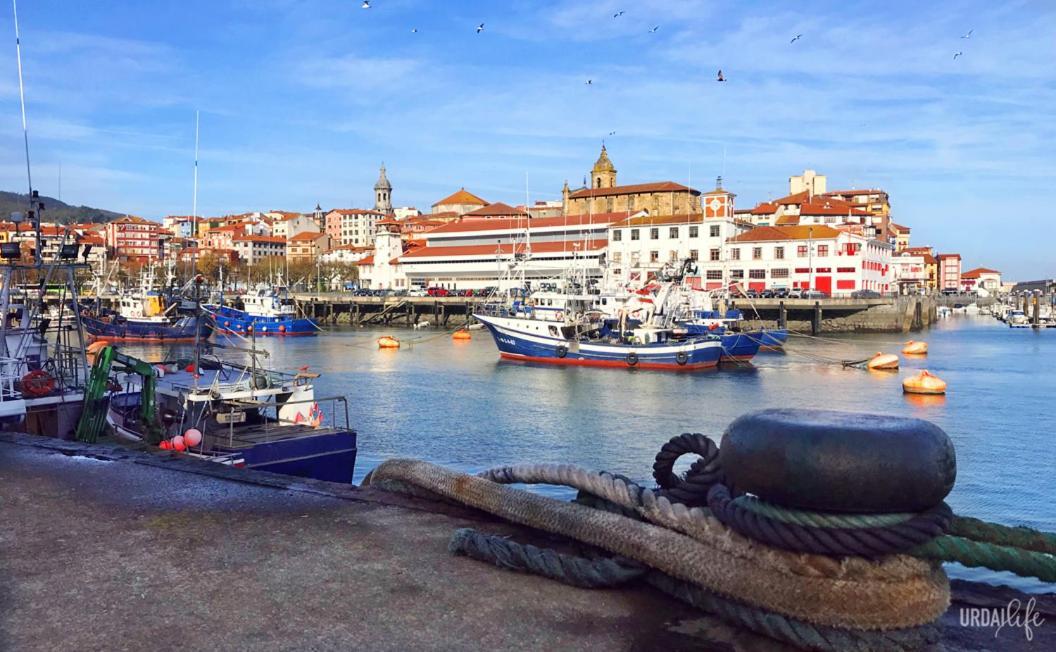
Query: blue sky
[(302, 100)]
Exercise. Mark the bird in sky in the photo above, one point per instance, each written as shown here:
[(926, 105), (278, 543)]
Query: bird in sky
[(721, 78), (480, 28), (612, 133), (414, 30), (590, 82), (796, 38), (655, 27), (957, 54), (618, 14), (365, 5), (969, 34)]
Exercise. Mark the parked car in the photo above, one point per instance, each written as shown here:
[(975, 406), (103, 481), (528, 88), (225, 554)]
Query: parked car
[(781, 293), (417, 292), (865, 294), (814, 294), (437, 292)]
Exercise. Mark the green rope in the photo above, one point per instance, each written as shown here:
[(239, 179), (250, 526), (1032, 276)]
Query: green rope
[(978, 554), (1016, 537), (819, 519)]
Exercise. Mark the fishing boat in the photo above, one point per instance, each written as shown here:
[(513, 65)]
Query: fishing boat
[(243, 416), (266, 311)]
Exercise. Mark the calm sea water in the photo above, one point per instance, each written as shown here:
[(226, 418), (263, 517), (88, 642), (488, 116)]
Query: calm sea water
[(457, 404)]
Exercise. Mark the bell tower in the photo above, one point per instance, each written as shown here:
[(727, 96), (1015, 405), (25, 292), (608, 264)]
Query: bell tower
[(383, 193), (603, 175)]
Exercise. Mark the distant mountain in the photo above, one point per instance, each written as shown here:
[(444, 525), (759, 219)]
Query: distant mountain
[(54, 210)]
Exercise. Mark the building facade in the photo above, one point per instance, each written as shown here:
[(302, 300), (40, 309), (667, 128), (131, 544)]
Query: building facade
[(308, 245), (252, 249), (604, 195), (134, 237), (353, 226), (458, 203), (949, 272)]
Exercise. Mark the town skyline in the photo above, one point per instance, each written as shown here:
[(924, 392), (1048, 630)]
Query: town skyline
[(868, 100)]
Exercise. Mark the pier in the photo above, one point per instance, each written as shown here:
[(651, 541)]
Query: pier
[(108, 547)]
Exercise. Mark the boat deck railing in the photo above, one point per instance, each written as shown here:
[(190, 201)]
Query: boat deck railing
[(332, 408), (10, 373)]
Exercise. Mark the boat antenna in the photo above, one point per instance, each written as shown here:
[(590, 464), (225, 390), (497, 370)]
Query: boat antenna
[(25, 130), (194, 198)]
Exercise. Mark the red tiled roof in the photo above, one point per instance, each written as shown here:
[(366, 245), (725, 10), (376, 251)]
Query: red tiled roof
[(355, 211), (369, 260), (899, 227), (660, 220), (766, 233), (764, 209), (229, 227), (90, 239), (506, 249), (830, 207), (860, 191), (498, 209), (535, 223), (979, 271), (918, 250), (797, 198), (944, 256), (634, 189), (306, 236), (929, 259), (787, 220), (461, 196)]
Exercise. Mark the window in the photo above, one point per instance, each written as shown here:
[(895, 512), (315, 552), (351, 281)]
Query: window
[(673, 233), (802, 270), (757, 253), (823, 250), (779, 273), (736, 273), (616, 256), (694, 231), (634, 234), (617, 235), (757, 273), (654, 233), (693, 254), (714, 274), (673, 256), (801, 251), (845, 270), (779, 253), (713, 254), (735, 254), (654, 256), (714, 230)]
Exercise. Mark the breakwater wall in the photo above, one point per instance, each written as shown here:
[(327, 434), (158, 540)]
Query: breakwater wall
[(815, 316)]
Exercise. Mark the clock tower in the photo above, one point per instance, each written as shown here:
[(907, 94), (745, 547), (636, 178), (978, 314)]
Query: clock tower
[(718, 202)]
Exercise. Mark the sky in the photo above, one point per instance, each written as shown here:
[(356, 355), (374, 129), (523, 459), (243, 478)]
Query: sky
[(301, 101)]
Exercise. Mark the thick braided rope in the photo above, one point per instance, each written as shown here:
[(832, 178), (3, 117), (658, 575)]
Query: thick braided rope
[(693, 488), (975, 554), (596, 573), (862, 541), (893, 593), (1003, 535)]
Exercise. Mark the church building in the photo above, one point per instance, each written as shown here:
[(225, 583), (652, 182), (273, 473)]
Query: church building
[(604, 195)]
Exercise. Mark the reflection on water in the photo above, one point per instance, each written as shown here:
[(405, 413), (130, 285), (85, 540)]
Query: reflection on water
[(456, 404)]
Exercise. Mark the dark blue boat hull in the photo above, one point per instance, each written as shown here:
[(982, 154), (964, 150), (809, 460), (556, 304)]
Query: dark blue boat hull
[(184, 330), (232, 320), (330, 456)]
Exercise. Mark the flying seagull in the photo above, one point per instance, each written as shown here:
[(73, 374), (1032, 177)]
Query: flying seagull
[(969, 34), (957, 54), (656, 27), (414, 30), (480, 28), (618, 14), (612, 133), (365, 5), (796, 38), (721, 78), (590, 82)]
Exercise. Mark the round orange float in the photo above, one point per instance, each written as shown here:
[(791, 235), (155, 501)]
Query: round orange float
[(388, 342), (883, 361), (461, 334), (924, 383), (913, 347), (93, 350)]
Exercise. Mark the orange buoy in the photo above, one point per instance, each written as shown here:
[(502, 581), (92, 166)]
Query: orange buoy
[(883, 361), (914, 347), (192, 437), (93, 350), (388, 342), (461, 334), (924, 383)]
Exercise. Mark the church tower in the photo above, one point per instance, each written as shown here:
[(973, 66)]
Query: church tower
[(383, 193), (604, 173)]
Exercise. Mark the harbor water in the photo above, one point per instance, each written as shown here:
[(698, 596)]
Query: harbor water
[(456, 404)]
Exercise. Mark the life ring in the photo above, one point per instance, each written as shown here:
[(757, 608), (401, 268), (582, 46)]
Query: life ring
[(822, 460), (681, 358), (37, 383), (561, 351), (632, 359)]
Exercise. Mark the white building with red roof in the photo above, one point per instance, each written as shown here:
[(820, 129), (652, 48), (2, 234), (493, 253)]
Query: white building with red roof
[(353, 226), (459, 202), (981, 278), (253, 249)]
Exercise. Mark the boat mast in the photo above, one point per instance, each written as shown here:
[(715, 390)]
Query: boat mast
[(25, 131)]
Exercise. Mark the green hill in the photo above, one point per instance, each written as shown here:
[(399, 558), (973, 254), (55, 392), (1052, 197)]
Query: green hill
[(54, 210)]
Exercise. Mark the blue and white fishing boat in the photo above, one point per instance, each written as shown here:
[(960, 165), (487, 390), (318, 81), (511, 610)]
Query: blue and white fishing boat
[(266, 311), (567, 329)]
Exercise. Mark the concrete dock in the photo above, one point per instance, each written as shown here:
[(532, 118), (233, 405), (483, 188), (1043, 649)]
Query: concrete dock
[(102, 547)]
